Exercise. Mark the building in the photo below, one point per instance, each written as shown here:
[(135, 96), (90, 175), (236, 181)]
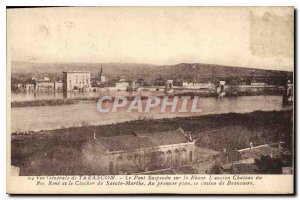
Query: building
[(122, 85), (44, 84), (76, 81), (222, 82), (58, 85), (139, 152), (19, 86), (248, 155), (193, 85), (29, 86), (101, 77), (258, 84)]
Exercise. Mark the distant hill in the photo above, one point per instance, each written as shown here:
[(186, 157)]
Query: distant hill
[(147, 71)]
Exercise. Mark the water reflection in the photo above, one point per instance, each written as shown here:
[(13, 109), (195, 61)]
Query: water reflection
[(30, 96)]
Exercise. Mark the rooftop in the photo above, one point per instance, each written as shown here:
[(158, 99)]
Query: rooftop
[(140, 141)]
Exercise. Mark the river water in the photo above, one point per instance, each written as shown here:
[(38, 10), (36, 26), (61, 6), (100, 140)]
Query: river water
[(30, 96), (85, 112)]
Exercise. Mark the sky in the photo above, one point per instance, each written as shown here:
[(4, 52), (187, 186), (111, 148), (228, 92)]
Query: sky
[(245, 37)]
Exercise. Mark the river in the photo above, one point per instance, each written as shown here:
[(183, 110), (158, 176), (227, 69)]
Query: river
[(85, 112), (40, 95)]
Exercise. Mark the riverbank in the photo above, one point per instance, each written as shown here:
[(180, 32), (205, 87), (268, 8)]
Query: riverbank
[(58, 152)]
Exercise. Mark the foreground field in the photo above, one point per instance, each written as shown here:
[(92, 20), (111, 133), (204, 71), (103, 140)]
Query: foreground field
[(58, 152)]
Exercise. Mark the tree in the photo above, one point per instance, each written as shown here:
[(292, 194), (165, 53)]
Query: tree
[(160, 82), (269, 165), (216, 169), (141, 82)]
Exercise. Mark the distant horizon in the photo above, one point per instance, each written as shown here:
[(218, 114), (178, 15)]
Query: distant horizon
[(154, 65)]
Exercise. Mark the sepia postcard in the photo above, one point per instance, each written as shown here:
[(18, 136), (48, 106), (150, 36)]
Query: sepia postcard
[(150, 100)]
